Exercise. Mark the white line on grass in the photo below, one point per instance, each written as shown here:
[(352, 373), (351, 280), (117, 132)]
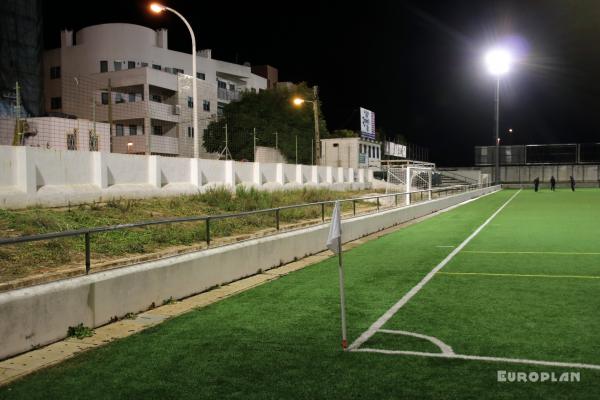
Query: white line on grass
[(442, 346), (481, 358), (394, 309), (554, 253), (522, 275)]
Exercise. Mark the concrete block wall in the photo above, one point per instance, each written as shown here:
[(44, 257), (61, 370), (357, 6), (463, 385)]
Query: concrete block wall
[(94, 299), (584, 174), (35, 176)]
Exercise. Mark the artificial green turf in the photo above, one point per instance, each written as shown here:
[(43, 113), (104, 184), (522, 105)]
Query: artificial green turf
[(281, 340)]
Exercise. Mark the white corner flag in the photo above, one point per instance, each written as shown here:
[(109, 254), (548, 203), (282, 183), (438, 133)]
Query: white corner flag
[(334, 243)]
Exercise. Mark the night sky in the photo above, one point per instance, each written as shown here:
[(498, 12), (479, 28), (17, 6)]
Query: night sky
[(417, 65)]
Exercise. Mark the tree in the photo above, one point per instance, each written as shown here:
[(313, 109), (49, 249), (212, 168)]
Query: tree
[(268, 111), (343, 133)]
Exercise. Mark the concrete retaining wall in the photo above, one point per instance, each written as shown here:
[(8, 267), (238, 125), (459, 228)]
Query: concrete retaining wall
[(35, 176), (41, 314)]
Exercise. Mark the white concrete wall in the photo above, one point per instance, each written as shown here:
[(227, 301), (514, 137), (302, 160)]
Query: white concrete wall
[(42, 314), (583, 173), (34, 176)]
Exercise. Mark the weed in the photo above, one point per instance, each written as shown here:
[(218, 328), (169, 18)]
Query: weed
[(80, 331)]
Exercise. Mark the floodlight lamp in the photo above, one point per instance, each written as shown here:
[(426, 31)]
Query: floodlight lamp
[(298, 101), (498, 61), (157, 8)]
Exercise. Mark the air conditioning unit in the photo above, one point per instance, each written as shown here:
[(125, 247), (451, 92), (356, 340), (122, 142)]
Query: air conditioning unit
[(176, 109)]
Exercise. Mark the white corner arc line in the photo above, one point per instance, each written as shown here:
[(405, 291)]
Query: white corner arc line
[(394, 309), (482, 358), (442, 346)]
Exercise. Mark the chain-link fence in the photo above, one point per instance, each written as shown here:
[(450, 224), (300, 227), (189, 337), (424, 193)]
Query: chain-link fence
[(123, 112)]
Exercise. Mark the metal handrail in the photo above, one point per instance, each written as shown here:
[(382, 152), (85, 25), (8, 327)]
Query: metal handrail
[(86, 232)]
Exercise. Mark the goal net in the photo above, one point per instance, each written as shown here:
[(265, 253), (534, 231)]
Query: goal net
[(408, 176)]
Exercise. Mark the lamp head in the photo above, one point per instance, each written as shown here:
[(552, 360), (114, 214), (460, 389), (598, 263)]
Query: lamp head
[(298, 101), (498, 61), (157, 8)]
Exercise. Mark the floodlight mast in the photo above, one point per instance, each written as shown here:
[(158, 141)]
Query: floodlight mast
[(498, 62)]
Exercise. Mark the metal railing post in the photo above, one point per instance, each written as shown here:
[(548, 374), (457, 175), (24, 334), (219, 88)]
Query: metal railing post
[(396, 200), (207, 232), (354, 207), (88, 262), (277, 217), (323, 212), (377, 204)]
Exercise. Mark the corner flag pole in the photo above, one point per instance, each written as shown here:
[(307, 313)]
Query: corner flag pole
[(342, 295), (334, 243)]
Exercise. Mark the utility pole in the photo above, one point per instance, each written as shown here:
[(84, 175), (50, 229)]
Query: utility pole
[(276, 142), (18, 137), (316, 118), (312, 151), (110, 121), (254, 140), (296, 149)]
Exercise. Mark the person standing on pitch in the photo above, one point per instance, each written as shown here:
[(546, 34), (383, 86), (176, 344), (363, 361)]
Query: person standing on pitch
[(536, 184), (552, 183), (572, 183)]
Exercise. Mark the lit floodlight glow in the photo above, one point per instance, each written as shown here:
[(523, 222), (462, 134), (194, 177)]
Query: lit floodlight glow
[(157, 8), (498, 61), (298, 101)]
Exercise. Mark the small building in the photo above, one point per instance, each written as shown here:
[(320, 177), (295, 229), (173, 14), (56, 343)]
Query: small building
[(353, 152)]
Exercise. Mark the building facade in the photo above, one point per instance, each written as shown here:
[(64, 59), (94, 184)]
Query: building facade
[(126, 75), (353, 152)]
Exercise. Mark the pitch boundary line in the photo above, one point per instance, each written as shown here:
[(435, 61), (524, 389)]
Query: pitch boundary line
[(522, 275), (394, 309), (481, 358), (559, 253)]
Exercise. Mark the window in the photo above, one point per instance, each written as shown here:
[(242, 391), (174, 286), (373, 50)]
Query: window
[(118, 65), (222, 85), (370, 151), (190, 132), (231, 86), (132, 97), (157, 130), (220, 108), (190, 102), (72, 140), (130, 64), (56, 103), (55, 72), (119, 98), (104, 98), (119, 130), (201, 75), (144, 64), (132, 130), (157, 98), (156, 66), (104, 66), (169, 70), (206, 105), (177, 71)]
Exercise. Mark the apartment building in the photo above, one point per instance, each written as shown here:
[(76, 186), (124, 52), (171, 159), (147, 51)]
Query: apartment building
[(352, 152), (126, 75)]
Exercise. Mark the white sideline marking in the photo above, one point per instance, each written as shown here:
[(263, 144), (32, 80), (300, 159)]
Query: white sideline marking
[(522, 275), (443, 346), (482, 358), (558, 253), (449, 247), (394, 309)]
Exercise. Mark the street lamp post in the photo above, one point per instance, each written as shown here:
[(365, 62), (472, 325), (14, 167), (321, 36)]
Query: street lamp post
[(498, 62), (315, 103), (158, 8)]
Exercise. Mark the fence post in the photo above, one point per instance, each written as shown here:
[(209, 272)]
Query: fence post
[(277, 217), (88, 262), (354, 206), (323, 212), (207, 231), (377, 204)]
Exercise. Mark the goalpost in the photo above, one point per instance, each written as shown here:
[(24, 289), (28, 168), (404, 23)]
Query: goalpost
[(408, 176)]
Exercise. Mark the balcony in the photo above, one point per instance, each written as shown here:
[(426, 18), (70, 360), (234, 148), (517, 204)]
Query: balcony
[(228, 95), (164, 145)]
